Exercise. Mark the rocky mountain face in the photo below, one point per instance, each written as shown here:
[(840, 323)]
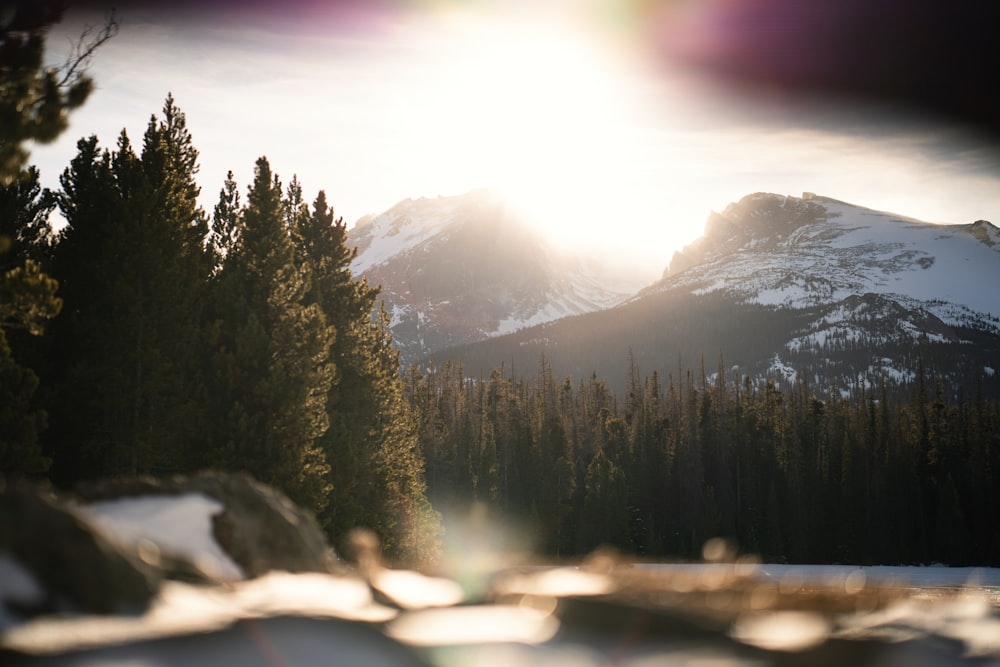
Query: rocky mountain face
[(460, 269), (792, 288)]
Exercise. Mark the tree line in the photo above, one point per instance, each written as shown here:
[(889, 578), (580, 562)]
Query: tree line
[(885, 476), (178, 340)]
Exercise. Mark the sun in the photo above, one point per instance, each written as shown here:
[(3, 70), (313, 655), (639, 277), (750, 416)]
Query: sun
[(546, 114)]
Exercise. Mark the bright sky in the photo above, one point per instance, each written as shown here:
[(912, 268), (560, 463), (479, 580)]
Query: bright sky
[(566, 107)]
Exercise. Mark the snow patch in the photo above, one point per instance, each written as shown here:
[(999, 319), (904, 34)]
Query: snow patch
[(180, 525), (783, 370), (402, 228)]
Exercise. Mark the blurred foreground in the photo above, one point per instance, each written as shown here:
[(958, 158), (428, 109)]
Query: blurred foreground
[(164, 584)]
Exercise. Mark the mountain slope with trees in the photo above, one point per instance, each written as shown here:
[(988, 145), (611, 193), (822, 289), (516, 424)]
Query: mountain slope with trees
[(813, 381)]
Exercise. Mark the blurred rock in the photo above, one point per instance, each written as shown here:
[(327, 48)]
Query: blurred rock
[(76, 567), (260, 528)]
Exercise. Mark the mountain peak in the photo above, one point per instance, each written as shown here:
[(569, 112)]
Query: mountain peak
[(412, 222), (792, 251), (986, 232), (459, 269), (758, 218)]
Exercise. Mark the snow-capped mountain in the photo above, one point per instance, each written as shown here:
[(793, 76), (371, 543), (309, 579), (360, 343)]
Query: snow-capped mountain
[(803, 252), (810, 288), (872, 278), (460, 269)]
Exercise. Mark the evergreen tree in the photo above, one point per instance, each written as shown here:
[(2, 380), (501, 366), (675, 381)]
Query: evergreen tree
[(27, 302), (376, 466), (131, 395), (271, 365), (27, 298), (25, 232), (27, 295), (605, 505), (85, 347), (224, 232), (21, 420)]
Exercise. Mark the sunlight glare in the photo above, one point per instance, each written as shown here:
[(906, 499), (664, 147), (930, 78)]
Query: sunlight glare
[(546, 114)]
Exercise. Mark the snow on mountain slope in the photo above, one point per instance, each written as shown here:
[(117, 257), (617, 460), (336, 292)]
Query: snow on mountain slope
[(582, 291), (402, 228), (459, 269), (867, 280), (826, 251), (795, 288)]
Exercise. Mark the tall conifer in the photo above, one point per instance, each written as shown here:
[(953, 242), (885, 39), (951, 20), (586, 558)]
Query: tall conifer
[(27, 301), (376, 467), (271, 366), (134, 268)]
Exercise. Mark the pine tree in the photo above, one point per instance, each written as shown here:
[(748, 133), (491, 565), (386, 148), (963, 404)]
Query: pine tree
[(84, 350), (271, 364), (376, 465), (134, 271), (27, 302), (27, 298), (605, 505), (21, 420), (224, 232), (25, 232), (176, 290)]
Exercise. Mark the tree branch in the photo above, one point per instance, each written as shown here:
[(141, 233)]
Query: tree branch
[(83, 49)]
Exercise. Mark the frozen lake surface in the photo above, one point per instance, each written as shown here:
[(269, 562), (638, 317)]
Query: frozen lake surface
[(931, 576)]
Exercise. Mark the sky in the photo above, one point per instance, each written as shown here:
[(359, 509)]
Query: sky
[(615, 127)]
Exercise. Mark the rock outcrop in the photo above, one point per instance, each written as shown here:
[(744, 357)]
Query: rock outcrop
[(57, 560), (75, 567)]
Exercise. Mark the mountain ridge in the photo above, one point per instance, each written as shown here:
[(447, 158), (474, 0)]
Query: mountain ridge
[(846, 249), (464, 268), (794, 288)]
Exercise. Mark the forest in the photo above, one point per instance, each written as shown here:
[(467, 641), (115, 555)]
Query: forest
[(147, 337), (891, 476)]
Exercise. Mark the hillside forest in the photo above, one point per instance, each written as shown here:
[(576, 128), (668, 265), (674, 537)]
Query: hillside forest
[(145, 336), (886, 476)]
